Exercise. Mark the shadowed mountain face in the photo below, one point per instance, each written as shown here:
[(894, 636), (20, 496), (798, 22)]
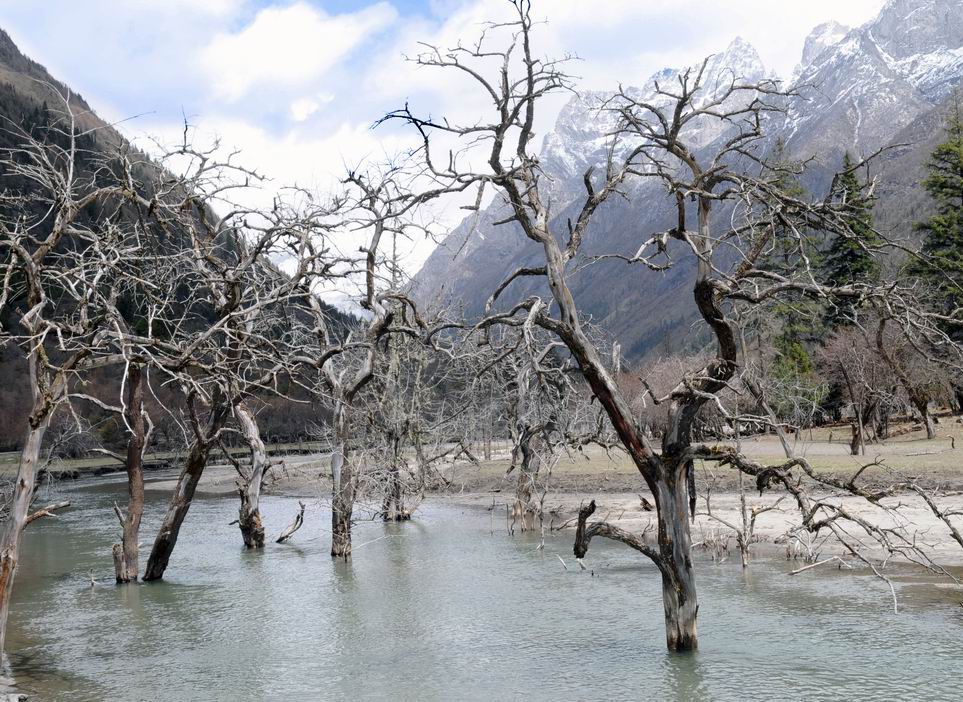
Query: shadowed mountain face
[(30, 101), (885, 83), (28, 96)]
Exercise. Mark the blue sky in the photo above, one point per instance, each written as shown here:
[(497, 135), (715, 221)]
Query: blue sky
[(296, 84)]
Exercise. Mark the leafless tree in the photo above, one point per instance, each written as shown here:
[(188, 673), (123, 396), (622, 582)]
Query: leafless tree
[(52, 289), (139, 428), (654, 140), (375, 208), (854, 363), (547, 414), (210, 308), (921, 379)]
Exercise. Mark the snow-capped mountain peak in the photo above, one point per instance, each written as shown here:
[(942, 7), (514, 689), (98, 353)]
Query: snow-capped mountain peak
[(584, 126), (882, 84), (821, 38)]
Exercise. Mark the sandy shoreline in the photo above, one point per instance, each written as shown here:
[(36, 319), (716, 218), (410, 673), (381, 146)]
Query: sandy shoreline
[(616, 487)]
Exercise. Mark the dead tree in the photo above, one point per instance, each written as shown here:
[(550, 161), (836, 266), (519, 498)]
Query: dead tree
[(547, 415), (856, 365), (655, 139), (407, 418), (374, 208), (126, 566), (139, 428), (217, 334), (53, 272), (920, 383)]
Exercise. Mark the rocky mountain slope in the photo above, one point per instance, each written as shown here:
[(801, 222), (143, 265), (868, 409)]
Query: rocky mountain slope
[(887, 82), (30, 101)]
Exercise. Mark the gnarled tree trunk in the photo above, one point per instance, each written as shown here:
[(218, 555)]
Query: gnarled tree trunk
[(922, 406), (126, 567), (180, 503), (342, 487), (679, 599), (523, 512), (19, 509), (249, 485)]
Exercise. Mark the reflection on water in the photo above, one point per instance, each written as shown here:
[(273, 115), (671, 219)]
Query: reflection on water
[(439, 608)]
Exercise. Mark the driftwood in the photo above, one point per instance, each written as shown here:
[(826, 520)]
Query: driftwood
[(46, 511), (293, 527)]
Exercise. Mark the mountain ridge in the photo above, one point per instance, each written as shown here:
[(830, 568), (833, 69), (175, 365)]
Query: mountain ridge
[(861, 89)]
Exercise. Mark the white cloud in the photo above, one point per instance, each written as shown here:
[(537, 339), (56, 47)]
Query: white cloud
[(267, 82), (287, 46), (217, 8), (302, 108)]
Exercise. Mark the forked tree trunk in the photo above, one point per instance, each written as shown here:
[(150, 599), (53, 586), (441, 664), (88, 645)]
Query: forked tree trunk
[(249, 486), (342, 488), (679, 599), (126, 566), (856, 442), (19, 509)]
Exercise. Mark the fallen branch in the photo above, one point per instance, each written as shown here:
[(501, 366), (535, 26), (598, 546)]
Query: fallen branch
[(293, 527), (813, 565)]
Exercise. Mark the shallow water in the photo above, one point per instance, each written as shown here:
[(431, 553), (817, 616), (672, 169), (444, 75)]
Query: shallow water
[(441, 608)]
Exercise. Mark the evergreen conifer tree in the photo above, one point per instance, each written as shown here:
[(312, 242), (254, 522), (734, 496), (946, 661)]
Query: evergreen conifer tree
[(849, 258), (942, 262)]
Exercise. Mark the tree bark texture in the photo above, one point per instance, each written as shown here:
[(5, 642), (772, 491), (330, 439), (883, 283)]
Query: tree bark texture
[(183, 495), (13, 528), (126, 566), (342, 487), (249, 484), (679, 599), (523, 512)]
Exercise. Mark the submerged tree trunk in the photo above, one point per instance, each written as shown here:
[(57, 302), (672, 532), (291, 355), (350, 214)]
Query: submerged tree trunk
[(126, 566), (176, 511), (679, 598), (183, 494), (523, 512), (393, 509), (672, 556), (342, 487), (249, 485), (19, 509)]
